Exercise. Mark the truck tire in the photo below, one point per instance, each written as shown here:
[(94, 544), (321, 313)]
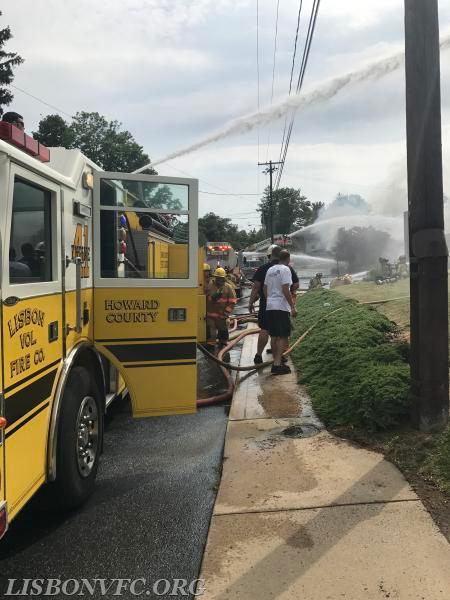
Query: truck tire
[(80, 436)]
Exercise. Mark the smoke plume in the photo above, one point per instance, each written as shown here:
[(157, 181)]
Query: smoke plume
[(322, 93)]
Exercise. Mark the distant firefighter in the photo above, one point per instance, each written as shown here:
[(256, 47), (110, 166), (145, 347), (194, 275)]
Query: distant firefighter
[(402, 267), (316, 282)]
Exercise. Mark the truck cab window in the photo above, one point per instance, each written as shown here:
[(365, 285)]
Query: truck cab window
[(144, 230), (144, 245), (30, 241)]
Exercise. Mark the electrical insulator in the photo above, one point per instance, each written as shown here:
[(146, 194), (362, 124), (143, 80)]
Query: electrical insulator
[(123, 248), (123, 220), (122, 234)]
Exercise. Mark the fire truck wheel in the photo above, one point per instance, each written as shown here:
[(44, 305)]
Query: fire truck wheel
[(79, 438)]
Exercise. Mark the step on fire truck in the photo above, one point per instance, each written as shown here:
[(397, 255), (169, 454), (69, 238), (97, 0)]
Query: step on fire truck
[(99, 295)]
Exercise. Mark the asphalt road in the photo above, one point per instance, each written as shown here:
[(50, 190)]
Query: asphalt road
[(150, 512), (149, 515)]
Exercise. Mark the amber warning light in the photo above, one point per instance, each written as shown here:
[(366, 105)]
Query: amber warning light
[(16, 137)]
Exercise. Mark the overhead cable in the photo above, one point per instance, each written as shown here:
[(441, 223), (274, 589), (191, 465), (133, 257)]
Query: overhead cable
[(257, 63), (305, 57), (227, 193), (294, 53), (273, 73), (60, 110)]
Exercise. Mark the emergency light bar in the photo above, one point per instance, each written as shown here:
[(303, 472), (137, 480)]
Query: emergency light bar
[(18, 138)]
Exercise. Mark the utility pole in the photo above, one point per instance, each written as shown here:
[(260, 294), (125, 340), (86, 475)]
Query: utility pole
[(427, 246), (270, 169)]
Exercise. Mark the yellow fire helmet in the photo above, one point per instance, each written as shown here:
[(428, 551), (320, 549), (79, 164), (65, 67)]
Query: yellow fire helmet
[(206, 267), (219, 272)]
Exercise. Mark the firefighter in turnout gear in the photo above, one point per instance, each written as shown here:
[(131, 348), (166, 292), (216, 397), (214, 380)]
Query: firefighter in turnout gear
[(316, 282), (206, 276), (220, 301)]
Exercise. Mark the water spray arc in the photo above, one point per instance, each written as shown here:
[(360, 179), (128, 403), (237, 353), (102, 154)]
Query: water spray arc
[(320, 94)]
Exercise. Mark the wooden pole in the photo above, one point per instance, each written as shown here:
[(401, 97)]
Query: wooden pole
[(427, 246), (270, 169), (271, 201)]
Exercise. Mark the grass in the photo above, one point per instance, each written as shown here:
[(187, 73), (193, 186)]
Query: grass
[(355, 366), (396, 310), (356, 372), (397, 294)]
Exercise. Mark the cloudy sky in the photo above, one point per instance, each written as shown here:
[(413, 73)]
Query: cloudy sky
[(174, 71)]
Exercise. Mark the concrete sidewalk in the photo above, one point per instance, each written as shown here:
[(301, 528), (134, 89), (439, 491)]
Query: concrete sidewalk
[(313, 518)]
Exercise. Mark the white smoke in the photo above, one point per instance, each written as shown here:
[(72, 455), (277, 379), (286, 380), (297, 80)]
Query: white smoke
[(391, 196), (321, 93)]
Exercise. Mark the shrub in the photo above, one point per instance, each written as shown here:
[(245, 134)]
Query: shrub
[(355, 370)]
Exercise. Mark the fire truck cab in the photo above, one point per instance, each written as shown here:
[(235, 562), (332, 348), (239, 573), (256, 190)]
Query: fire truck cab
[(99, 295)]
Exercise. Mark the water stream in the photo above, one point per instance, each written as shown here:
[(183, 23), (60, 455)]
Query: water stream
[(318, 95)]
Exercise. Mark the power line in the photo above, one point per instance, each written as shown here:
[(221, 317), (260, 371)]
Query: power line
[(242, 218), (299, 84), (294, 54), (227, 194), (273, 74), (305, 57), (257, 63), (306, 50), (60, 110)]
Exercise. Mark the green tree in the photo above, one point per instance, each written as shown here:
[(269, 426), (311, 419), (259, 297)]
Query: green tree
[(360, 247), (180, 231), (8, 62), (348, 204), (103, 141), (163, 199), (54, 132), (291, 210), (213, 228)]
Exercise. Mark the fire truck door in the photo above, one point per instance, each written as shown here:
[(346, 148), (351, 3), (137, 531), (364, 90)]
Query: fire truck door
[(31, 326), (145, 287), (2, 448)]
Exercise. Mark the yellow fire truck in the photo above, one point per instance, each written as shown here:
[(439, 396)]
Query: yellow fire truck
[(99, 294)]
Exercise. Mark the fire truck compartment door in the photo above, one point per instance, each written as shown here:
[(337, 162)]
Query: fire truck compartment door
[(145, 287)]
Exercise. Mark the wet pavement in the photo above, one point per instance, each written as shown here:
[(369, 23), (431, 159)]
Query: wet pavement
[(303, 514), (151, 509), (149, 514), (262, 396)]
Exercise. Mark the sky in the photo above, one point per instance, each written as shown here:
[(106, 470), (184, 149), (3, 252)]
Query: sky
[(174, 71)]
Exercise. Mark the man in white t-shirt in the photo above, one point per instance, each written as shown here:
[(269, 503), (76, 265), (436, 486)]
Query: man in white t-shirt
[(280, 307)]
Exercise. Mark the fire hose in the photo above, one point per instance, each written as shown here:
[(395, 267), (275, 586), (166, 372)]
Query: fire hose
[(227, 367)]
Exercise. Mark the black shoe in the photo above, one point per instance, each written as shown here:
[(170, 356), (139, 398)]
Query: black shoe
[(269, 350), (280, 370), (258, 359)]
